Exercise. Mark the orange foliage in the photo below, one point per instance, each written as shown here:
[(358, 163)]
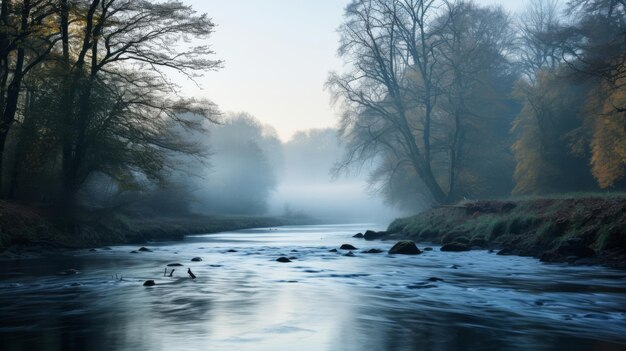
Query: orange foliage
[(608, 144)]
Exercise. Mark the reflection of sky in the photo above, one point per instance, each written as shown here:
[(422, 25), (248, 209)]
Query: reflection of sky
[(278, 54), (321, 301)]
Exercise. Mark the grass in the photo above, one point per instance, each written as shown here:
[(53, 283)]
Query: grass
[(32, 226), (528, 225)]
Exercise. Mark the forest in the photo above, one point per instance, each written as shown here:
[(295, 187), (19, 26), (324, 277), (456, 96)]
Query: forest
[(440, 101), (454, 100)]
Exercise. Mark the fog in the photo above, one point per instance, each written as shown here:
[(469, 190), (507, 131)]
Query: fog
[(307, 184), (251, 172), (246, 170)]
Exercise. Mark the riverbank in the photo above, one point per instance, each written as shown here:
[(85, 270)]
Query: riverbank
[(27, 229), (588, 230)]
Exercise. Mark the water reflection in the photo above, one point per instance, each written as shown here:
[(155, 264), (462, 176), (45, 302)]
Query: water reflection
[(244, 300)]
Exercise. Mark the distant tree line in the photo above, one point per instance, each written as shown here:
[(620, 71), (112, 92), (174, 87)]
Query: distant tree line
[(85, 93), (453, 100)]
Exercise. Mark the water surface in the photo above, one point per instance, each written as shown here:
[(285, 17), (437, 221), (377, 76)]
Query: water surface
[(245, 300)]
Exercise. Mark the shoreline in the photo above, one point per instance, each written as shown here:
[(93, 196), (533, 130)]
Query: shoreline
[(585, 231), (28, 231)]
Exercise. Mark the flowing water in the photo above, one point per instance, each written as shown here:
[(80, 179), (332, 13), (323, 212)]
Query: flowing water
[(245, 300)]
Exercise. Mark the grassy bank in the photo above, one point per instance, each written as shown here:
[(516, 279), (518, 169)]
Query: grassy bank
[(590, 230), (25, 225)]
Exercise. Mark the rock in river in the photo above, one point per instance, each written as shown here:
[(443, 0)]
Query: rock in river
[(373, 251), (405, 247), (350, 254), (455, 247), (149, 283), (196, 259), (144, 249), (358, 235), (347, 247), (372, 235), (283, 260), (174, 265)]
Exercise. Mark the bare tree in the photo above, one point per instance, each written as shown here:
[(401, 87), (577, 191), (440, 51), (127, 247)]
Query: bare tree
[(391, 92), (422, 75), (128, 47), (540, 45)]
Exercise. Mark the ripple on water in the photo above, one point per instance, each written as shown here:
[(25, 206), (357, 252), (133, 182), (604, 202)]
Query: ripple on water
[(242, 299)]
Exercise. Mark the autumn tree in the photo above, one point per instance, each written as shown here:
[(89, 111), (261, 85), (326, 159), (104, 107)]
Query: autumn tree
[(571, 128)]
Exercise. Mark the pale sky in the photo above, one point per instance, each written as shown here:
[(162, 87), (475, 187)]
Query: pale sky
[(277, 57)]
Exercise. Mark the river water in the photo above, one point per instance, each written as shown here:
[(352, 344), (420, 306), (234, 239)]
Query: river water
[(245, 300)]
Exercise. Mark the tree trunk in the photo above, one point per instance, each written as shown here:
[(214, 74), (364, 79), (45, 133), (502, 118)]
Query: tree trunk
[(13, 92)]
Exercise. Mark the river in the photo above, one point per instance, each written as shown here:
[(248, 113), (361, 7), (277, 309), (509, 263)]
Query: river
[(245, 300)]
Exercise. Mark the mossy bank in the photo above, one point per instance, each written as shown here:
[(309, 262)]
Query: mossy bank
[(590, 230), (39, 228)]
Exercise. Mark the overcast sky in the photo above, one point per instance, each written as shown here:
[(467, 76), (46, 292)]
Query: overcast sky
[(277, 56)]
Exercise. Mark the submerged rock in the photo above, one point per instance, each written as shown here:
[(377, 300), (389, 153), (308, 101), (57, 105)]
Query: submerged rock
[(372, 235), (347, 247), (70, 271), (231, 250), (149, 283), (283, 260), (144, 249), (196, 259), (435, 279), (350, 254), (428, 248), (92, 250), (455, 247), (373, 251), (134, 251), (332, 250), (175, 264), (358, 235), (405, 247)]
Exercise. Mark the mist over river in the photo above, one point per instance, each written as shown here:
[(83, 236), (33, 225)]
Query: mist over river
[(322, 300)]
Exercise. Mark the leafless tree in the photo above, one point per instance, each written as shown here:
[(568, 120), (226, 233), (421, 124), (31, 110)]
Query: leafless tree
[(391, 92)]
